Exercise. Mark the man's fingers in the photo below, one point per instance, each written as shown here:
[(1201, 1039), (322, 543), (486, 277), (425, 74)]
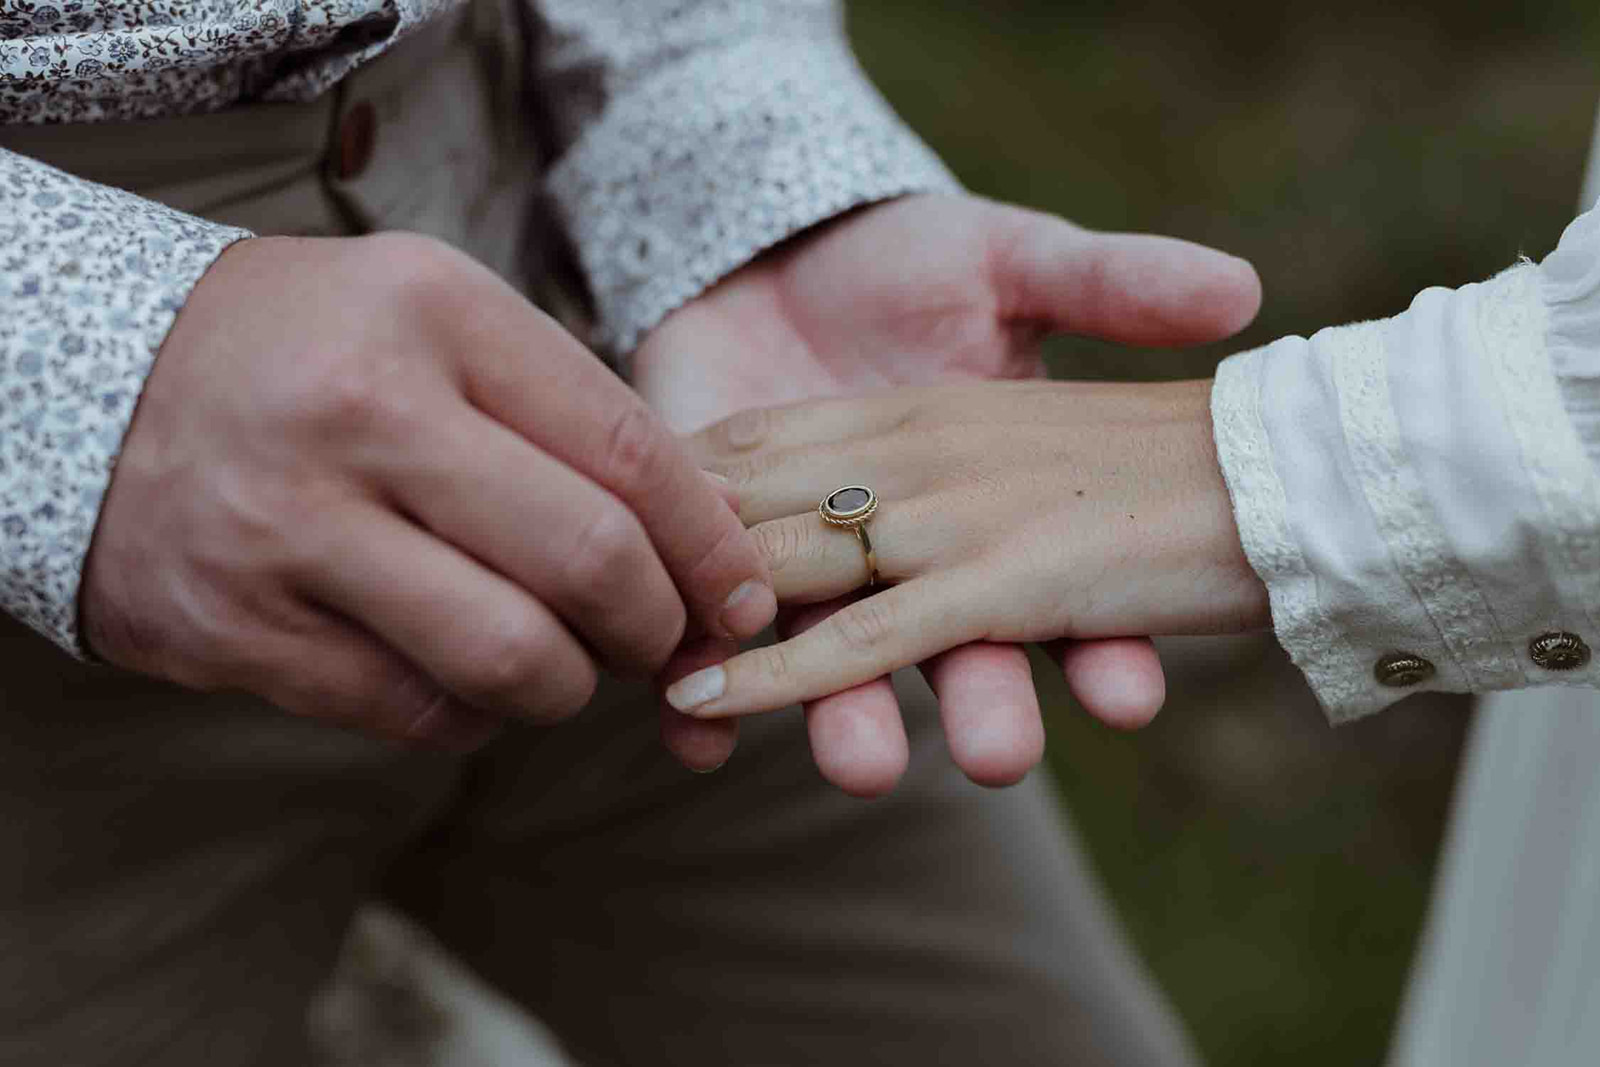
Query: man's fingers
[(874, 636), (857, 736), (571, 406), (1118, 680), (1134, 288), (475, 633), (338, 673), (990, 710), (565, 540)]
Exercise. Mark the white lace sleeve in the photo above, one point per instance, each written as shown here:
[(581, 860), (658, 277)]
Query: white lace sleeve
[(698, 134), (91, 279), (1425, 487)]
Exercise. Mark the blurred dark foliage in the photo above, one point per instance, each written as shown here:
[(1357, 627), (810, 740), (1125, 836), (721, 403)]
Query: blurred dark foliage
[(1272, 870)]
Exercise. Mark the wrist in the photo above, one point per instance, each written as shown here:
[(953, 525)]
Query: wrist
[(1244, 604)]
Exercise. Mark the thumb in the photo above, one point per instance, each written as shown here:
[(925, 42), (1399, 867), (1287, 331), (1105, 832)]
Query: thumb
[(1132, 288)]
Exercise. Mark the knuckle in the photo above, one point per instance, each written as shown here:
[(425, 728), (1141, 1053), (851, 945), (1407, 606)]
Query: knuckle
[(503, 668), (780, 543), (635, 448), (609, 551), (652, 635), (359, 395), (864, 626), (747, 429), (408, 699), (321, 696), (414, 264), (772, 662)]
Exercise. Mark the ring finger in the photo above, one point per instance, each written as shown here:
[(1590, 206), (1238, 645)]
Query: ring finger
[(812, 561)]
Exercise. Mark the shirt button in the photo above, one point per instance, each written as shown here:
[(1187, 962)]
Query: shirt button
[(358, 132), (1558, 651), (1398, 670)]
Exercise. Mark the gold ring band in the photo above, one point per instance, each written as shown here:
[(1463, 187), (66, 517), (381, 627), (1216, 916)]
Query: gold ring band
[(872, 555), (850, 507)]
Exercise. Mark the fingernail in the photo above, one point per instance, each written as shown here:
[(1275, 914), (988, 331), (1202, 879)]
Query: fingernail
[(699, 688), (714, 476), (749, 609), (709, 770)]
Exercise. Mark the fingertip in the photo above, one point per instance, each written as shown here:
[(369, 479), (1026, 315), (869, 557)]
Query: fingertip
[(750, 608), (992, 724), (864, 775), (701, 745), (858, 740), (1000, 755), (1210, 294), (1237, 299), (1118, 680)]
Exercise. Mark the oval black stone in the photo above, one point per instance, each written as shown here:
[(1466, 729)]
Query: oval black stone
[(847, 500)]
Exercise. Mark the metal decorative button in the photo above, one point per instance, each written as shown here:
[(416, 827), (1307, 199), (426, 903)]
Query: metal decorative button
[(1398, 670), (1559, 651)]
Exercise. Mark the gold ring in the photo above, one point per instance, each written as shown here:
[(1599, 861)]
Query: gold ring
[(849, 508)]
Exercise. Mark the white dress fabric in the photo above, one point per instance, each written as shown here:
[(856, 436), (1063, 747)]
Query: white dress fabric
[(1509, 967)]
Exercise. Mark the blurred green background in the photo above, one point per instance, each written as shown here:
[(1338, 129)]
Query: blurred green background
[(1273, 872)]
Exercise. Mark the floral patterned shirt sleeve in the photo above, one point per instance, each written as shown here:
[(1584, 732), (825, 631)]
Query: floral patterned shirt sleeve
[(693, 135), (704, 131), (90, 280)]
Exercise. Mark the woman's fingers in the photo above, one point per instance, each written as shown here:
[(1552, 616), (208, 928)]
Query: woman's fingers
[(813, 449), (810, 560), (1118, 680), (990, 710), (857, 736), (874, 636)]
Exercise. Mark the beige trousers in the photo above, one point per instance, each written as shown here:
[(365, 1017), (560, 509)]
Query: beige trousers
[(179, 869)]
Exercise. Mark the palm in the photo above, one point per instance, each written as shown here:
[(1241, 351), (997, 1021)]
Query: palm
[(893, 295), (916, 291)]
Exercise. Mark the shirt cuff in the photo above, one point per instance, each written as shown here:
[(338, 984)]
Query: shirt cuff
[(89, 286), (1415, 487), (696, 170)]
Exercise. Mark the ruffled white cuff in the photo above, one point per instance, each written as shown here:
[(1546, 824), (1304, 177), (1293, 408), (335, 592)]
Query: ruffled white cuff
[(1425, 486)]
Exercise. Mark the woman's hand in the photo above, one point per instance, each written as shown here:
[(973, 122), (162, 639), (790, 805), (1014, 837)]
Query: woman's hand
[(919, 291), (1029, 511)]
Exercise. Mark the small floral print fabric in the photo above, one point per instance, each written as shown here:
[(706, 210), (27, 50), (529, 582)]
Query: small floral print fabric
[(691, 135)]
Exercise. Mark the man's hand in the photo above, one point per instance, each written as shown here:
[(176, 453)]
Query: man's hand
[(371, 483), (924, 290)]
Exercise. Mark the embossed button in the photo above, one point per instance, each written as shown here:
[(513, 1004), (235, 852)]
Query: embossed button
[(1398, 670), (358, 133), (1559, 651)]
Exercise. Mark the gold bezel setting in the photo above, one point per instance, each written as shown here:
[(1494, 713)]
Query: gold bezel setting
[(852, 517)]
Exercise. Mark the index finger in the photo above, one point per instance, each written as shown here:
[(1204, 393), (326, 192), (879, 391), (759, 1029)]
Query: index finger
[(574, 408), (874, 636)]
